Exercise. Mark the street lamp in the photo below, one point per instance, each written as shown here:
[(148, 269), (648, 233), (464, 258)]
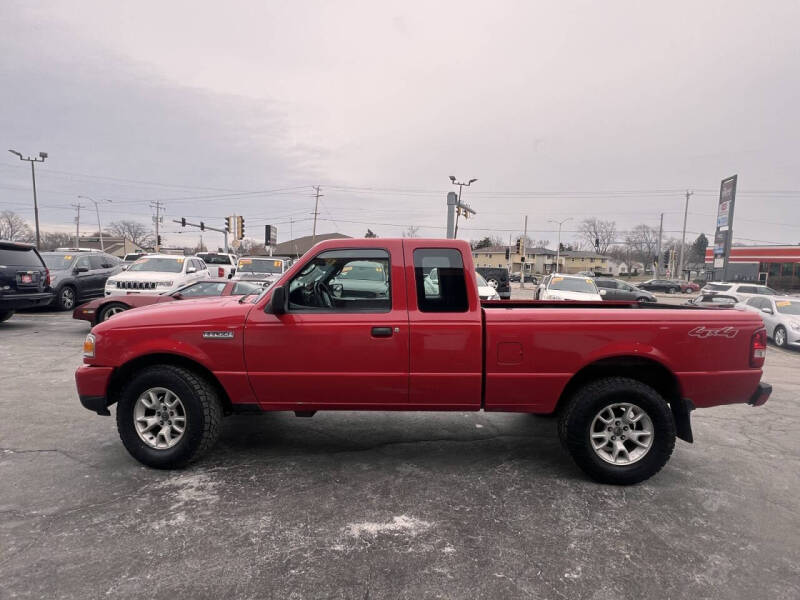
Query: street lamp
[(42, 156), (558, 248), (97, 210), (460, 187)]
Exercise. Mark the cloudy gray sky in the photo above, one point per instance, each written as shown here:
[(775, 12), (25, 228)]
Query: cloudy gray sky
[(561, 109)]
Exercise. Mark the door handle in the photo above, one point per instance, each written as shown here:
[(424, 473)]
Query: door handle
[(381, 332)]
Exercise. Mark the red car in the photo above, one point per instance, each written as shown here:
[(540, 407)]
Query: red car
[(622, 376), (689, 287), (102, 309)]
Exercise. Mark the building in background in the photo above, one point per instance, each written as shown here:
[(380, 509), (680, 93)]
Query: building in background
[(297, 247), (537, 260), (577, 261), (116, 246), (775, 266)]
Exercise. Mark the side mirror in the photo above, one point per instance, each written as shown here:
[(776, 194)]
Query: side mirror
[(278, 302), (177, 296), (81, 269), (767, 310), (191, 270)]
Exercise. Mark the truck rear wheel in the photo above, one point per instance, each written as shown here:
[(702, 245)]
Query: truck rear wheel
[(168, 416), (618, 430)]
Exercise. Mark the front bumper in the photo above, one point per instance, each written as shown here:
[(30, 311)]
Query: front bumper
[(761, 395), (92, 383), (16, 301)]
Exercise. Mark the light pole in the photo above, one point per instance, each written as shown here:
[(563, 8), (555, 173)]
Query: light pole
[(97, 211), (558, 248), (459, 206), (32, 160)]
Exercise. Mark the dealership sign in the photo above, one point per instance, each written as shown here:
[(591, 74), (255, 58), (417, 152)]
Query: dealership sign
[(723, 236)]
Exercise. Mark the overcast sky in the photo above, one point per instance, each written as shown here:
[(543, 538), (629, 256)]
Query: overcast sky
[(560, 109)]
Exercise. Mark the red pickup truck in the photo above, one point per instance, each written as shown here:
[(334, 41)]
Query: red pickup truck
[(396, 324)]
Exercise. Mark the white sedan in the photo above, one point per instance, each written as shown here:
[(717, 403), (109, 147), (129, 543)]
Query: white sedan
[(568, 287), (157, 274)]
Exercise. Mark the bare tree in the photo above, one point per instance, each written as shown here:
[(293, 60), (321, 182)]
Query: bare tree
[(135, 231), (411, 232), (14, 228), (597, 233), (56, 239), (643, 243)]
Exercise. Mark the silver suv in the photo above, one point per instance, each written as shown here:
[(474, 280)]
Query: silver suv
[(742, 291)]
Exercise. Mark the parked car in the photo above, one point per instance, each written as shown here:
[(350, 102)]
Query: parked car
[(24, 279), (77, 275), (498, 278), (515, 277), (741, 291), (156, 274), (131, 258), (688, 287), (660, 285), (781, 316), (219, 264), (709, 300), (361, 279), (619, 377), (262, 269), (616, 289), (485, 290), (568, 287), (102, 309)]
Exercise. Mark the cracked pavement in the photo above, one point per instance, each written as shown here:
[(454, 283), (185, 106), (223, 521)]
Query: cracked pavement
[(383, 505)]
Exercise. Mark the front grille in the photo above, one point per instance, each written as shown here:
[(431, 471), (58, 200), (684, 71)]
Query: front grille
[(136, 285)]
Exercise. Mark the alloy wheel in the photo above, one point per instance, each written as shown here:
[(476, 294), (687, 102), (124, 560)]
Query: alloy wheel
[(160, 418), (621, 434)]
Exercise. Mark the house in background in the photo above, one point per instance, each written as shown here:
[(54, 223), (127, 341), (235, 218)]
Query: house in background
[(621, 268), (576, 261), (116, 246), (297, 247)]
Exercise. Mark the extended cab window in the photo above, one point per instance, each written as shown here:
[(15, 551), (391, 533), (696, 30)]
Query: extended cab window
[(343, 281), (441, 281)]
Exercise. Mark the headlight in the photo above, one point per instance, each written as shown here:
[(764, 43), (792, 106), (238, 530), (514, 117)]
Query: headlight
[(163, 284), (110, 284), (88, 346)]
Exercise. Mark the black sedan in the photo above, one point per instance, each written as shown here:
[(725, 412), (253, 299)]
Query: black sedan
[(661, 285)]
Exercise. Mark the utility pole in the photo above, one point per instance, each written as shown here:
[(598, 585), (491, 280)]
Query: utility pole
[(683, 237), (467, 210), (33, 160), (158, 206), (97, 211), (658, 251), (77, 206), (316, 212), (558, 248), (522, 252)]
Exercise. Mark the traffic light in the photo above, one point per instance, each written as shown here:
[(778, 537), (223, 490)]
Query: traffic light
[(202, 226), (665, 260), (597, 245), (230, 224), (158, 241), (241, 227), (183, 221), (508, 253), (519, 246)]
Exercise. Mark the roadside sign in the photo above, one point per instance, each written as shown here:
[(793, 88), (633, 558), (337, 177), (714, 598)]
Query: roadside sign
[(270, 235), (723, 236)]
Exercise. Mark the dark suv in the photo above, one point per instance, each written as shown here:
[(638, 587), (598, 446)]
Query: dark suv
[(24, 280), (497, 277), (79, 276)]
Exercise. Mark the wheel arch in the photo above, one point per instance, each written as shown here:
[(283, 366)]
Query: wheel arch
[(646, 370), (124, 373)]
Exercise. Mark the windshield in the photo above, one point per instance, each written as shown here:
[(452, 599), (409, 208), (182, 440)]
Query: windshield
[(132, 257), (214, 259), (788, 307), (718, 287), (573, 284), (58, 262), (158, 264), (260, 265)]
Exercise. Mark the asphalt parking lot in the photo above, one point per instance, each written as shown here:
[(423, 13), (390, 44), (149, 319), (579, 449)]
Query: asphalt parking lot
[(383, 505)]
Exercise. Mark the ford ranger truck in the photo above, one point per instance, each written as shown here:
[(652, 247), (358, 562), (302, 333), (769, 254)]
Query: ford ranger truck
[(622, 377)]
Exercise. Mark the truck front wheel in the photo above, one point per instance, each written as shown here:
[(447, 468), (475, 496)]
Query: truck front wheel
[(618, 430), (168, 416)]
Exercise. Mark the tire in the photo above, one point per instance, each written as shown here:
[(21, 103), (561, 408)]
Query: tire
[(66, 297), (779, 336), (643, 299), (6, 315), (111, 309), (579, 421), (198, 402)]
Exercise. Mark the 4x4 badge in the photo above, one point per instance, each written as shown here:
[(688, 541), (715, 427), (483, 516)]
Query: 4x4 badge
[(704, 332)]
